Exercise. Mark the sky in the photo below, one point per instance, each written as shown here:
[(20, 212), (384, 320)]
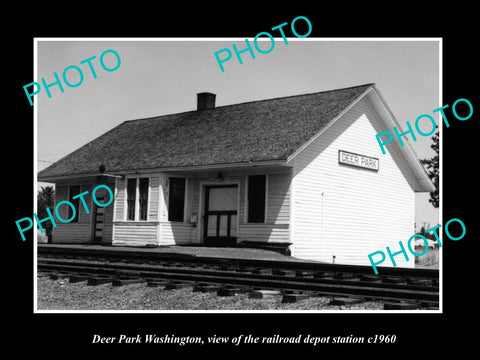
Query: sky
[(163, 77)]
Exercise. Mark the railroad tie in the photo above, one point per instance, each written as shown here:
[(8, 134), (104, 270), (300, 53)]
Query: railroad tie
[(400, 306), (393, 280), (122, 282), (222, 268), (231, 291), (302, 273), (42, 274), (201, 266), (261, 271), (341, 301), (57, 276), (99, 280), (344, 276), (175, 285), (323, 275), (206, 288), (244, 269), (156, 283), (295, 297), (422, 282), (174, 265), (264, 294), (283, 272), (370, 278), (78, 278)]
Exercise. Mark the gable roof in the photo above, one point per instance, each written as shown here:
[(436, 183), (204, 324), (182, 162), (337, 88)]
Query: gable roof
[(258, 131)]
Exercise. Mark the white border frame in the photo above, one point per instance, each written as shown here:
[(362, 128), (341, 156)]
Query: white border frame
[(307, 39)]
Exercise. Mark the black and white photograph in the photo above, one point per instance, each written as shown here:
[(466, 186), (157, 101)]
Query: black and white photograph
[(240, 183), (260, 187)]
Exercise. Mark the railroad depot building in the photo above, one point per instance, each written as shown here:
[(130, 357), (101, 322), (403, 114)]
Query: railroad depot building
[(301, 171)]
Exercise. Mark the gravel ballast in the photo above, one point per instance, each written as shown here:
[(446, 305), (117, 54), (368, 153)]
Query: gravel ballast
[(62, 295)]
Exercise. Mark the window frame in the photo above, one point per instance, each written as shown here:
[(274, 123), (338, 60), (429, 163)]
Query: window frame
[(135, 207), (137, 198), (247, 203), (140, 208)]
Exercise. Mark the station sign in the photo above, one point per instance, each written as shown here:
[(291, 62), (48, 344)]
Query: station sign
[(362, 161)]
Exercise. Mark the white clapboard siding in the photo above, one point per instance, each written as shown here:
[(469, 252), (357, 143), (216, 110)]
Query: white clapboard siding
[(350, 212), (135, 233), (276, 227), (241, 206), (278, 198), (174, 233), (61, 194), (120, 200), (163, 205), (81, 231), (263, 233), (154, 196), (177, 233), (192, 197), (72, 233)]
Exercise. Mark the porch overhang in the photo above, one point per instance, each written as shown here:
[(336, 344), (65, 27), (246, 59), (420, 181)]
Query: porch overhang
[(96, 178)]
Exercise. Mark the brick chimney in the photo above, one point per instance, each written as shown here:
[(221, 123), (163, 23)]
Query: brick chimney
[(205, 101)]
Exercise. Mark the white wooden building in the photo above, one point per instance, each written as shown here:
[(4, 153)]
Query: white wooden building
[(302, 171)]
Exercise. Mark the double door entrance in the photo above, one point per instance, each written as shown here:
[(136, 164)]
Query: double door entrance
[(221, 215)]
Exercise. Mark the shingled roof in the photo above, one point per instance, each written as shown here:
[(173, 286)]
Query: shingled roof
[(264, 130)]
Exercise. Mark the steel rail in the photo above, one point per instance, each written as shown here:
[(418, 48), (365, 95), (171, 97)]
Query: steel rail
[(319, 282)]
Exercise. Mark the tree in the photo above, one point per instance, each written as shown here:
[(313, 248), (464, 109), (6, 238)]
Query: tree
[(430, 235), (422, 231), (45, 199), (431, 166)]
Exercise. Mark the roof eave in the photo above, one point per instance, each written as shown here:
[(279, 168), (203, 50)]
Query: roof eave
[(423, 181), (281, 162), (325, 128)]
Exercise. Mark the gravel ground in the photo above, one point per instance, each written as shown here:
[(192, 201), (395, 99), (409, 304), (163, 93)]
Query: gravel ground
[(62, 295)]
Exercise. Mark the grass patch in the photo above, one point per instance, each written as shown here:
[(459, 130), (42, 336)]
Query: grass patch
[(430, 259)]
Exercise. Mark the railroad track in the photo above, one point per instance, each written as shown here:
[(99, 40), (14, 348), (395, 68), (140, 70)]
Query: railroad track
[(397, 288)]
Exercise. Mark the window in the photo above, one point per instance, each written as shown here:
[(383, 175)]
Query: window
[(176, 199), (137, 198), (143, 197), (256, 198), (73, 191), (131, 194)]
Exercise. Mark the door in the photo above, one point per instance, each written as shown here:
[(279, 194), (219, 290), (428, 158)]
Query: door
[(221, 212)]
